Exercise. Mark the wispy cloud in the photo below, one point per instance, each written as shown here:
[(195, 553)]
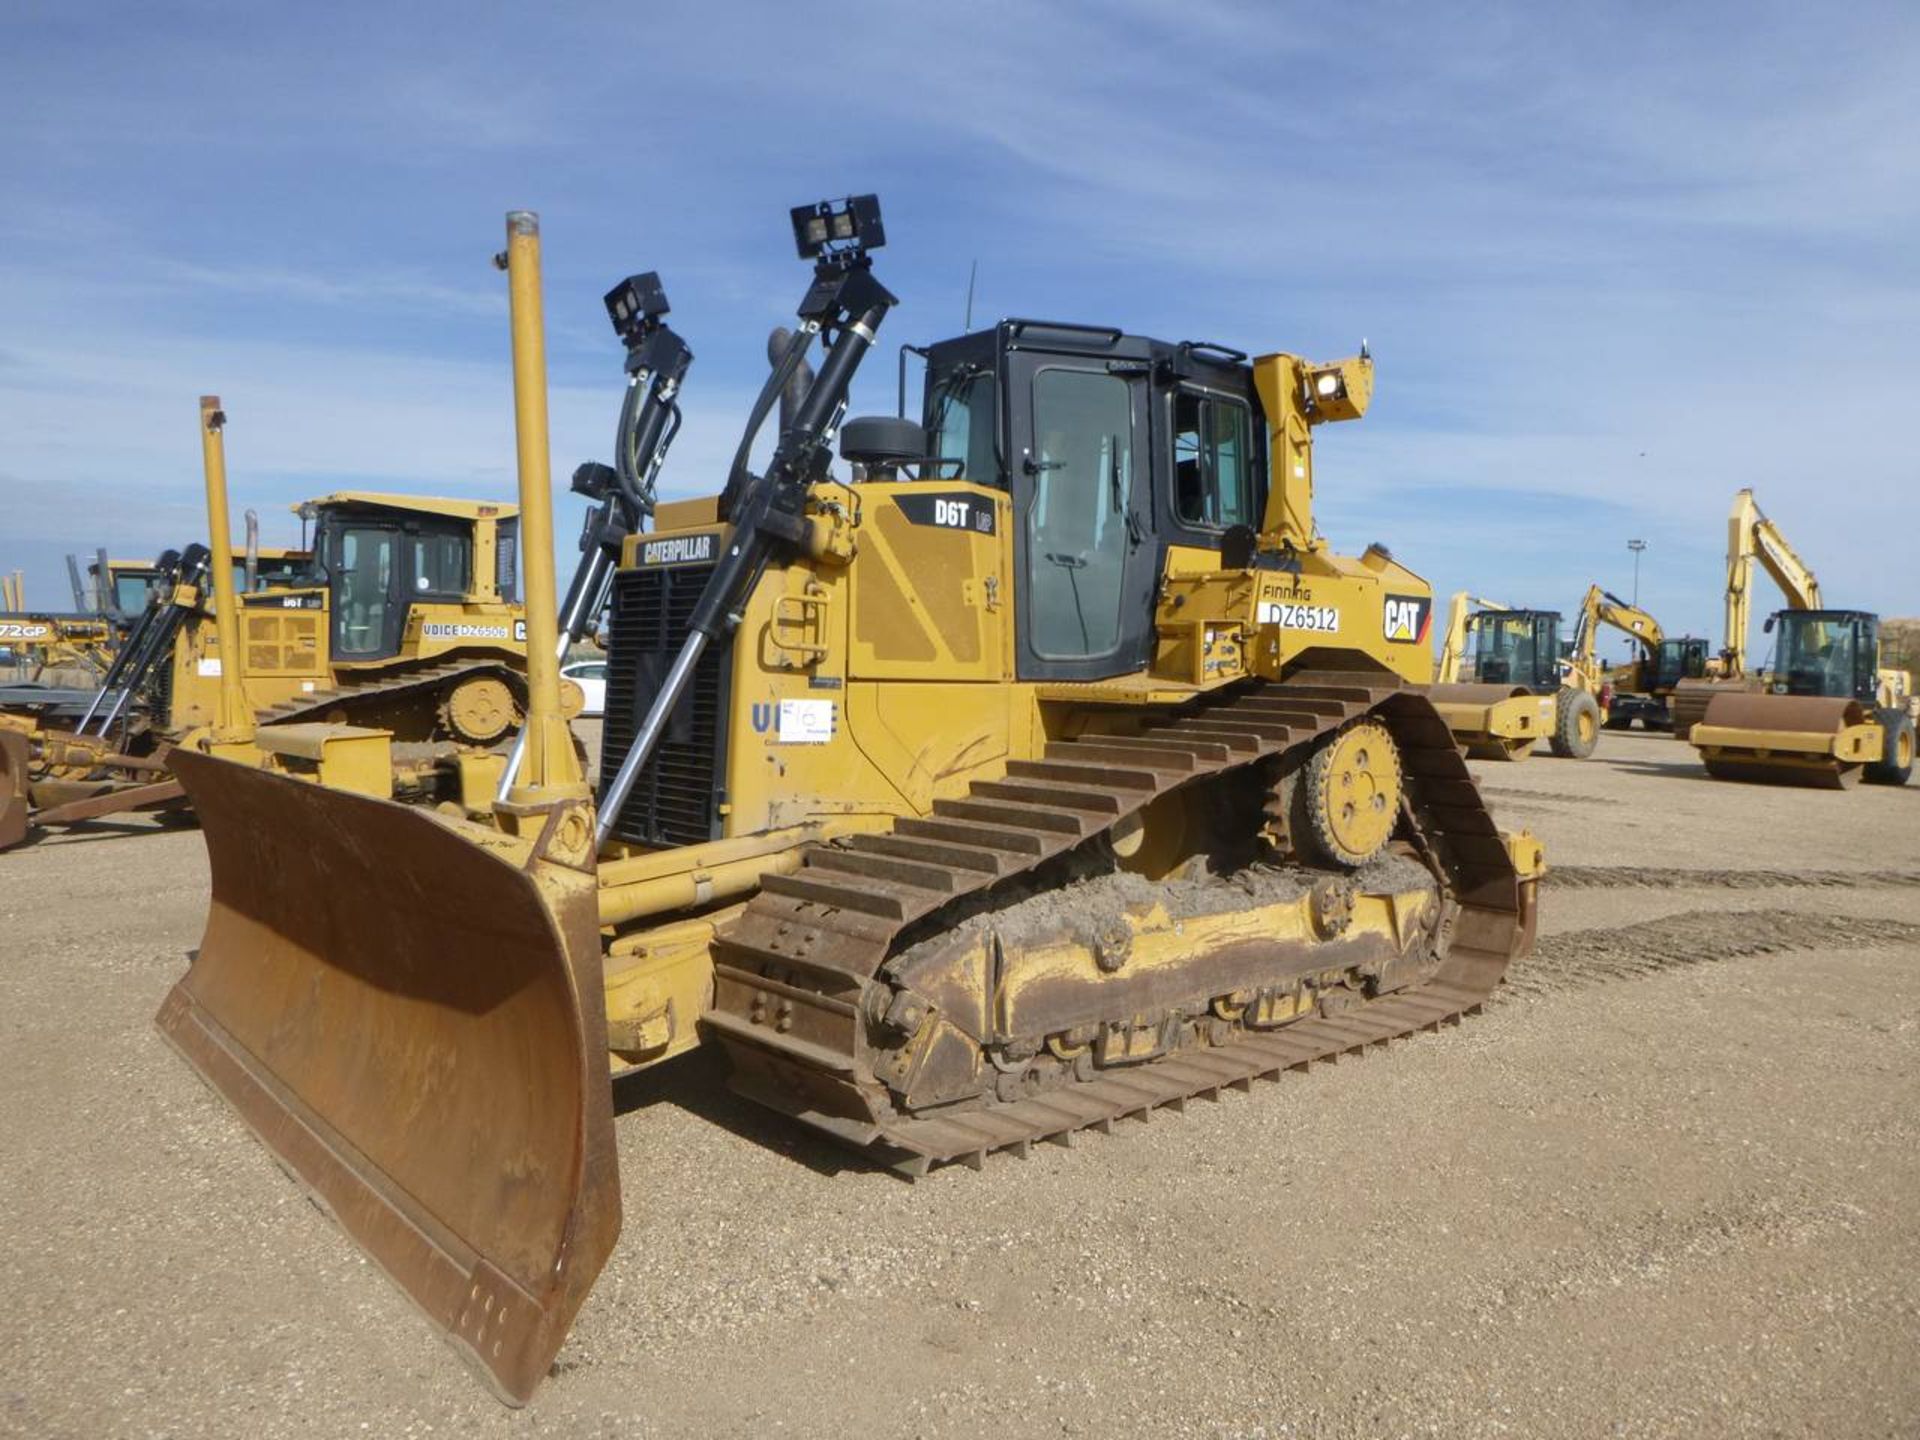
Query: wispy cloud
[(1614, 263)]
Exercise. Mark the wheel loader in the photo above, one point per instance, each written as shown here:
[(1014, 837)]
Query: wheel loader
[(1503, 685), (399, 615), (1048, 770), (1829, 717)]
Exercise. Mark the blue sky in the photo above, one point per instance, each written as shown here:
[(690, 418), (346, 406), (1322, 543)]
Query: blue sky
[(1613, 262)]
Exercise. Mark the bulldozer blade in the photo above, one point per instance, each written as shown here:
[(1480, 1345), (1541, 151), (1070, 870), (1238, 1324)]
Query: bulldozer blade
[(14, 802), (408, 1012)]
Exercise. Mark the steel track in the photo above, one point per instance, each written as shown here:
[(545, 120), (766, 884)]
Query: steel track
[(794, 969), (352, 695)]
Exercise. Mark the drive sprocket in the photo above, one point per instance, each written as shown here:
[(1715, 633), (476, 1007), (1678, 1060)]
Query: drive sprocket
[(1345, 799)]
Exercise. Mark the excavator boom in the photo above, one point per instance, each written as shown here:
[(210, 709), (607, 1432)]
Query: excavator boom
[(1751, 539)]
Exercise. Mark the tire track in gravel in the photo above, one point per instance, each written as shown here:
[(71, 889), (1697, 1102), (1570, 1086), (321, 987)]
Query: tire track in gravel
[(1580, 959), (1646, 877), (1556, 797)]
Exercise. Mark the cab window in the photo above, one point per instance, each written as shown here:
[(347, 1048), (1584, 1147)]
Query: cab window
[(1212, 461), (962, 424), (362, 584), (506, 557), (1082, 463), (131, 593), (440, 563)]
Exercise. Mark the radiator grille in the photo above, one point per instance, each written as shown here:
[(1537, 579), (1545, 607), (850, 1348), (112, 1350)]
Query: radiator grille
[(676, 800)]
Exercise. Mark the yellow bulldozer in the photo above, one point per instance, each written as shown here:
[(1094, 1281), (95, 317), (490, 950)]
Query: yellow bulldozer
[(1050, 770), (1503, 683), (399, 615)]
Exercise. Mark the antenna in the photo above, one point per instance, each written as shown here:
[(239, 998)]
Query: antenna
[(973, 273)]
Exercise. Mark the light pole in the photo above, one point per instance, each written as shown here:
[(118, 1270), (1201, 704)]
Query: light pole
[(1636, 546)]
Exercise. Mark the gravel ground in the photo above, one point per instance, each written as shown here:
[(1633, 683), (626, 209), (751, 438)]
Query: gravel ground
[(1665, 1185)]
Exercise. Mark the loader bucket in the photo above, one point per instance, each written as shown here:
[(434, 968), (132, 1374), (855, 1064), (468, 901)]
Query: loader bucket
[(415, 1027), (1786, 739), (14, 804)]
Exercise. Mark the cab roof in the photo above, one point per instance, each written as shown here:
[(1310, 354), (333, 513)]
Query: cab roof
[(1826, 616), (415, 504)]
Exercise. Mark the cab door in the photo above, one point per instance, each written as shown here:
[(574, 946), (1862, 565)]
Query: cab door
[(363, 579), (1078, 471)]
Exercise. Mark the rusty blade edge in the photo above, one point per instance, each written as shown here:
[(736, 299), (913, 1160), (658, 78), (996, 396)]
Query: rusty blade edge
[(431, 1268)]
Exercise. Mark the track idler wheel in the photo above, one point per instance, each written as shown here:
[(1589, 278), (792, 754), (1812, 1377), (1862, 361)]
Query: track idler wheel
[(1346, 798), (480, 710)]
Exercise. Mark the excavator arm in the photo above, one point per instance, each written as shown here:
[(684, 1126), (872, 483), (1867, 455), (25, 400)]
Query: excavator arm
[(1751, 537), (1602, 607)]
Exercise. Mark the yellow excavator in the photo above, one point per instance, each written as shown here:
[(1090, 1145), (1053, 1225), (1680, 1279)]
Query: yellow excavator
[(1830, 714), (1752, 539), (399, 615), (1051, 770), (1638, 689), (1502, 683), (1824, 712)]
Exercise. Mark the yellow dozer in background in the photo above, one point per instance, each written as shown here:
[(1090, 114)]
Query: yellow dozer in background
[(1503, 685), (1830, 715), (400, 615), (1050, 770)]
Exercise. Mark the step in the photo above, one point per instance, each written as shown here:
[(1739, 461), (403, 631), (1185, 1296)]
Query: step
[(981, 858), (1236, 741), (1126, 750), (881, 867), (1041, 792), (1071, 773), (869, 897), (1007, 812), (972, 832), (1203, 753)]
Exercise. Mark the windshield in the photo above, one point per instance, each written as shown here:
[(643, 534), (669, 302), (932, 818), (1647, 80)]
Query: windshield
[(1682, 659), (130, 593), (961, 421), (1510, 648), (1816, 655)]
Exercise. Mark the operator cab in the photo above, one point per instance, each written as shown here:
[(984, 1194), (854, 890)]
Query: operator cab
[(1683, 657), (1830, 653), (130, 586), (1514, 647), (377, 560), (1112, 447)]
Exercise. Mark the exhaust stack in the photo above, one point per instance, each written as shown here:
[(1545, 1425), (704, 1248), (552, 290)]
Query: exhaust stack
[(234, 718), (549, 769)]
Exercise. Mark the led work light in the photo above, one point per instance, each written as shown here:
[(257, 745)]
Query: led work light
[(838, 229), (633, 303)]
